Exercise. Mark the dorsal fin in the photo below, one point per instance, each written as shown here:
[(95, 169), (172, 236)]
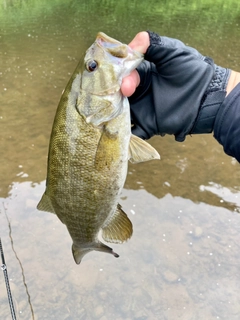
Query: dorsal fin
[(118, 228), (45, 204), (140, 150)]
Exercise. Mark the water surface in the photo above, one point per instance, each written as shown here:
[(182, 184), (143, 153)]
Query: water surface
[(183, 259)]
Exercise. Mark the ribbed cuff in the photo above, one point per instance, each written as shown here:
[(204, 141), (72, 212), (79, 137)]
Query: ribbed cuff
[(211, 102)]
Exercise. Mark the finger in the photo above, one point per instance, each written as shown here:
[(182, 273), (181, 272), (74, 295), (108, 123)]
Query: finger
[(130, 83), (140, 42)]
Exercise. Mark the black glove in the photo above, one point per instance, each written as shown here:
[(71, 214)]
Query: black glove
[(180, 90)]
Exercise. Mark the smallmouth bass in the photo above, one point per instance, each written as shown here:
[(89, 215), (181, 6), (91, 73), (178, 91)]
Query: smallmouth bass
[(90, 145)]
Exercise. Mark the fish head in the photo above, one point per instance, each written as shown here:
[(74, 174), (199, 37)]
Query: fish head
[(106, 62)]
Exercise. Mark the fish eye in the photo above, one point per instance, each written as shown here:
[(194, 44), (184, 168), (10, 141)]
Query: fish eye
[(91, 65)]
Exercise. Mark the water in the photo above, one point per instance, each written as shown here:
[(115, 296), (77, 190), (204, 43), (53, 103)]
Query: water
[(183, 259)]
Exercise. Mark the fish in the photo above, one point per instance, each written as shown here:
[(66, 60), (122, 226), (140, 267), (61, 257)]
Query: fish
[(89, 149)]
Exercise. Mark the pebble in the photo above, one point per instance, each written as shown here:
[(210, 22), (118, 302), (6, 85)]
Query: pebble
[(198, 232), (98, 311), (170, 276)]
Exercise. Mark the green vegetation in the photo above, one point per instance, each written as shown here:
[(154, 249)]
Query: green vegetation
[(18, 9), (206, 24)]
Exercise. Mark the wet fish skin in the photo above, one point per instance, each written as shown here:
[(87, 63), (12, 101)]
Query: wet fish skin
[(89, 149)]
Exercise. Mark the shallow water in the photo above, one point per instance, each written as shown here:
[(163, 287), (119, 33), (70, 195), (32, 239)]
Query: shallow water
[(183, 259)]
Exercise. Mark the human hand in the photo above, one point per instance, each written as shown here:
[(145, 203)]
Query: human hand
[(166, 90), (140, 43)]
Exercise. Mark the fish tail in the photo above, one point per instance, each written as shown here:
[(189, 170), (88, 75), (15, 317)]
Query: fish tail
[(102, 247), (79, 253)]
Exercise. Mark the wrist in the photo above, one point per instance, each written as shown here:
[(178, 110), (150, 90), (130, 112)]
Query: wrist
[(234, 79), (211, 101)]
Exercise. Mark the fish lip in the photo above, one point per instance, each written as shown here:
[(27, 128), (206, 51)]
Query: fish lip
[(112, 45), (102, 37)]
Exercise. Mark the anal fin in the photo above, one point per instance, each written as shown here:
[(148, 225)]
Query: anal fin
[(118, 228), (141, 151), (45, 204)]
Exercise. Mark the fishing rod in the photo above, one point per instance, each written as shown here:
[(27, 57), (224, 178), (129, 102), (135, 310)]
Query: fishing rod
[(4, 269)]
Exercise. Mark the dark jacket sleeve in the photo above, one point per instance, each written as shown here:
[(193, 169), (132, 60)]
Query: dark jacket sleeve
[(227, 124)]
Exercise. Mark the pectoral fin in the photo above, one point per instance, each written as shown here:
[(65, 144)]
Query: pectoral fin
[(108, 150), (118, 228), (140, 150), (45, 204)]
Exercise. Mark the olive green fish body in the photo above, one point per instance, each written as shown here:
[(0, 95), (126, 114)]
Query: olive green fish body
[(92, 174), (89, 150)]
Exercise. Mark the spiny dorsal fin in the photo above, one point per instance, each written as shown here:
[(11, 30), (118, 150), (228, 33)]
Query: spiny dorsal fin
[(45, 204), (118, 228), (140, 150)]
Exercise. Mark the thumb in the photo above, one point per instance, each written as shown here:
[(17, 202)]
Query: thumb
[(140, 42)]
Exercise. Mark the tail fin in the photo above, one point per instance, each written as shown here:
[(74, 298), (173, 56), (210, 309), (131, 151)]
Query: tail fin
[(79, 253)]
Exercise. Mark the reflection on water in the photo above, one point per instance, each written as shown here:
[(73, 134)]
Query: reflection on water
[(22, 271), (182, 261)]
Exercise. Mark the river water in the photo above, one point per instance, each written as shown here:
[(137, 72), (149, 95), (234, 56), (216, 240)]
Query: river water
[(183, 259)]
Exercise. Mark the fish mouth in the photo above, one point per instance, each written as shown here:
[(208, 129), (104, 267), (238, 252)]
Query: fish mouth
[(119, 53), (102, 37), (113, 46)]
